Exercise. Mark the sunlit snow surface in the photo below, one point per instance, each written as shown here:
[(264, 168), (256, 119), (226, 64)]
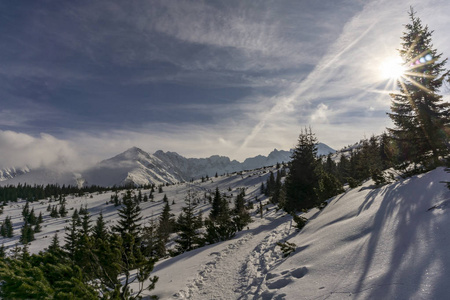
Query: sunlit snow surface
[(369, 243)]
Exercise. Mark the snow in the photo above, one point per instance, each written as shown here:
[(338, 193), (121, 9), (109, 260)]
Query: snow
[(388, 242), (369, 243)]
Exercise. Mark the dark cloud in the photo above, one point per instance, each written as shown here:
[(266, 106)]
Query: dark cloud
[(235, 69)]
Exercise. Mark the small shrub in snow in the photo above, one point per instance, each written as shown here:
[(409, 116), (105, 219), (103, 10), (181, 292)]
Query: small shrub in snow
[(378, 177), (322, 205), (300, 221), (287, 248)]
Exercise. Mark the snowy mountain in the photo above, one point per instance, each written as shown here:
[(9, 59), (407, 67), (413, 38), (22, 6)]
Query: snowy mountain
[(135, 166), (44, 176), (9, 173)]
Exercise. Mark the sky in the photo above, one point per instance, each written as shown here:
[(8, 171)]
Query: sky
[(82, 81)]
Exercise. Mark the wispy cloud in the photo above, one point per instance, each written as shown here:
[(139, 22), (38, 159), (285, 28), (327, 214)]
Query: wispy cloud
[(346, 79)]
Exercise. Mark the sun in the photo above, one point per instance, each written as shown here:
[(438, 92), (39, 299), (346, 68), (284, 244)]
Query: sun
[(392, 68)]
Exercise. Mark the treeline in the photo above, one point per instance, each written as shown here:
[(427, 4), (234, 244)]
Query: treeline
[(37, 192)]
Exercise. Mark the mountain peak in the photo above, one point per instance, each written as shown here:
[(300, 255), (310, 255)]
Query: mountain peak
[(134, 150), (133, 153)]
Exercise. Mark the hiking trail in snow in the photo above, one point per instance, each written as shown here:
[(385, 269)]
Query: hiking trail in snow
[(241, 270)]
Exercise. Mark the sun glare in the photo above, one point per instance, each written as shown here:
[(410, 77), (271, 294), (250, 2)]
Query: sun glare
[(392, 68)]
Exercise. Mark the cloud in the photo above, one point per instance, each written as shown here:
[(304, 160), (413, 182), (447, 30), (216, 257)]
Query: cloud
[(321, 114), (20, 150), (345, 80)]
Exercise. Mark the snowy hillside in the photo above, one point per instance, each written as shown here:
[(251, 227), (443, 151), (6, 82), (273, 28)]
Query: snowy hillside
[(228, 185), (368, 243), (135, 166), (389, 242)]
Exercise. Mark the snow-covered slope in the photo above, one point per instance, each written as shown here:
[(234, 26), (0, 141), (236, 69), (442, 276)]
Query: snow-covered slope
[(389, 242), (369, 243)]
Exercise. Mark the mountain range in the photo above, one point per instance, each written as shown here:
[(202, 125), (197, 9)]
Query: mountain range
[(137, 167)]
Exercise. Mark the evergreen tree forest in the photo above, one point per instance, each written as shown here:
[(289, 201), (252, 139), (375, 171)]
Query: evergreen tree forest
[(95, 262)]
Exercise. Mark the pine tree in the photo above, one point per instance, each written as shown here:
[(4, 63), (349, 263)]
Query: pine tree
[(151, 240), (72, 238), (3, 229), (188, 225), (85, 225), (276, 190), (37, 228), (302, 178), (40, 218), (100, 231), (9, 227), (54, 248), (420, 116), (128, 228), (241, 217), (116, 200), (165, 228), (139, 197), (26, 210), (216, 205), (129, 242), (219, 225), (54, 213), (62, 210), (27, 233)]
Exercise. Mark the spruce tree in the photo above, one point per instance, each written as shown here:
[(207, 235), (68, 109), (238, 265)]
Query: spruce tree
[(40, 218), (62, 210), (129, 239), (3, 229), (241, 217), (31, 218), (188, 226), (165, 228), (219, 225), (420, 115), (151, 240), (100, 231), (9, 227), (128, 224), (26, 210), (216, 205), (54, 248), (302, 178), (27, 233), (72, 238)]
